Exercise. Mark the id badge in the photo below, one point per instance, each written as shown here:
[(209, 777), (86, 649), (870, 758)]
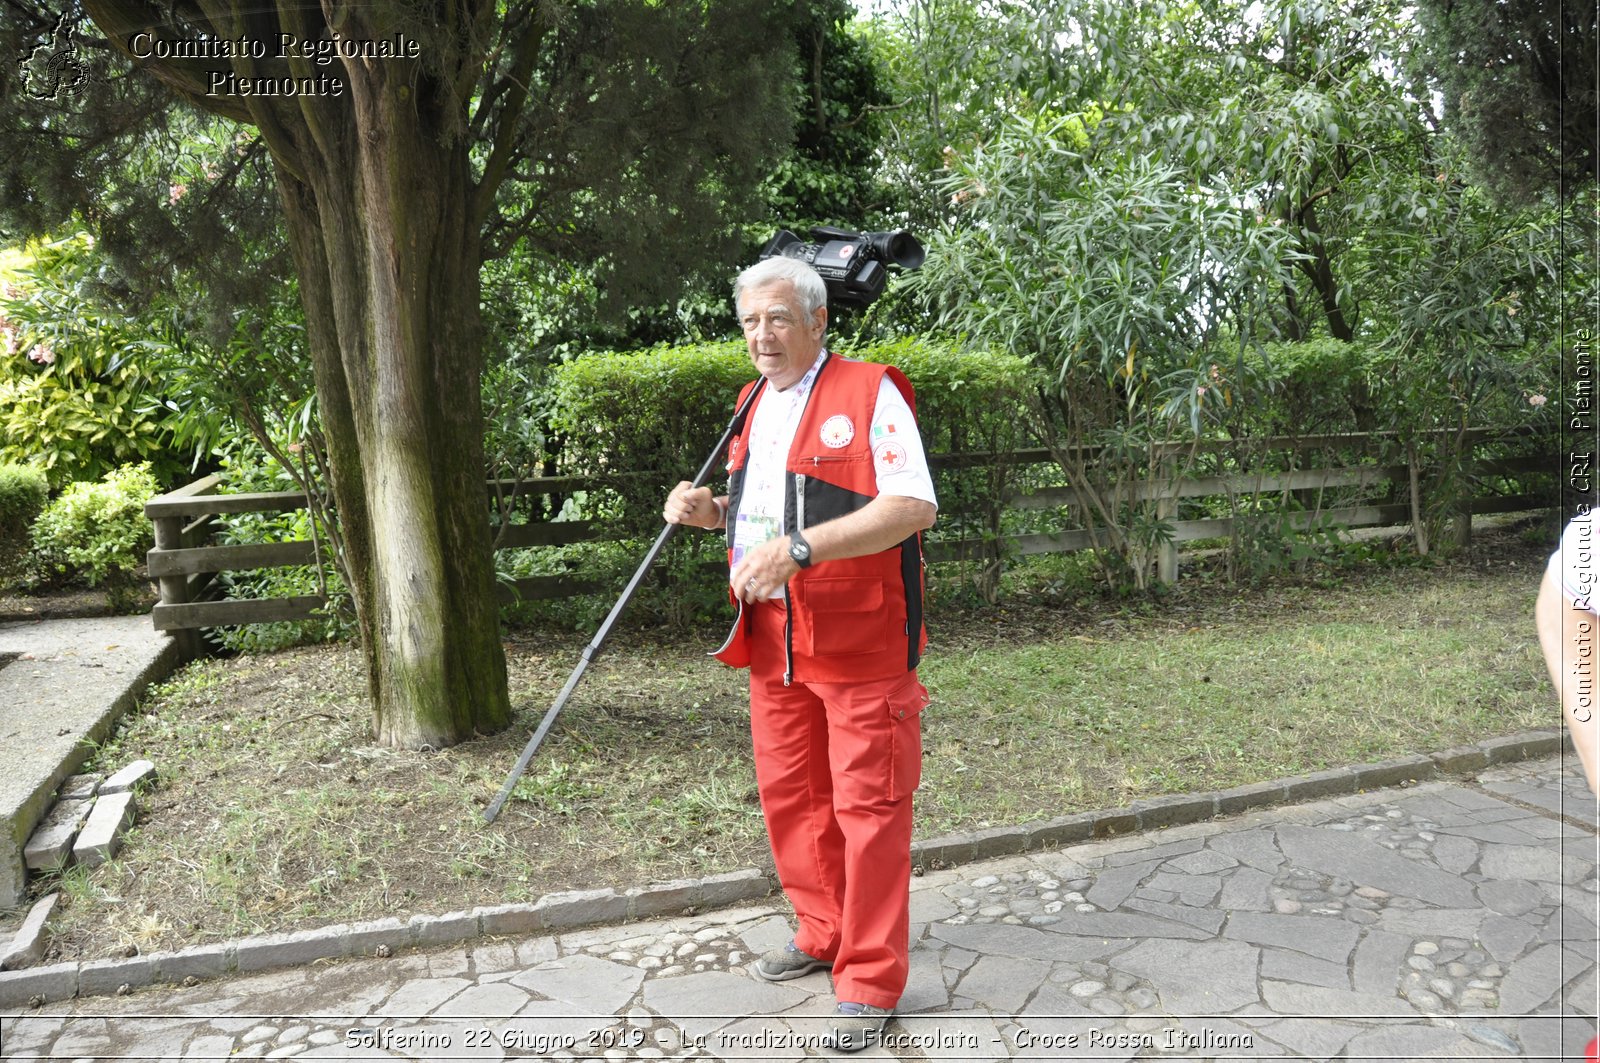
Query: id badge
[(749, 532)]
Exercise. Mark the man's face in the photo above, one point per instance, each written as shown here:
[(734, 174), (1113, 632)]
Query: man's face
[(782, 344)]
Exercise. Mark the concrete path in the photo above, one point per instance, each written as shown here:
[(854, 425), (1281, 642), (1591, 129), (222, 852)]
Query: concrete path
[(1447, 920), (63, 686)]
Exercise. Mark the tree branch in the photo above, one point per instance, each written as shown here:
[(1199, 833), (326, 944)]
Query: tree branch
[(505, 126), (122, 20)]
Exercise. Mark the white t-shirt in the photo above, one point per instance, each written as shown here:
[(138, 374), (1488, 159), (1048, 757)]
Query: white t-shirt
[(898, 458), (1577, 561)]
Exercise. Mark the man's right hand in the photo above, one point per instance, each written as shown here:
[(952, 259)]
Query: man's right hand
[(688, 504)]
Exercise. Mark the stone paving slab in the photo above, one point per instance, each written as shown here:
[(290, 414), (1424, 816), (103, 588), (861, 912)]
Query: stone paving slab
[(1374, 926)]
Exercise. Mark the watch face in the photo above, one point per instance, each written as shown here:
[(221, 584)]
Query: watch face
[(799, 551)]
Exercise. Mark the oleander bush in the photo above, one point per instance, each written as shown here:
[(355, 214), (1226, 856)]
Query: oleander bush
[(82, 384)]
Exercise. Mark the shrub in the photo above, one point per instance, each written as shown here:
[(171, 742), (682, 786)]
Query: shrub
[(97, 532), (23, 493), (634, 424)]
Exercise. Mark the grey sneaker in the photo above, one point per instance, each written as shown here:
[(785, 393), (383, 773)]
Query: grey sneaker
[(780, 965), (855, 1026)]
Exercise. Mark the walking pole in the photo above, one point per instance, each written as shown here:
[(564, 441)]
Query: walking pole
[(593, 649)]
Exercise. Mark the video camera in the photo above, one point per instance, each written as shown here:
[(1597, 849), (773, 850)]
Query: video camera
[(851, 264)]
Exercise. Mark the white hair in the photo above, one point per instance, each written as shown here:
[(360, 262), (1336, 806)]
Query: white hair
[(808, 285)]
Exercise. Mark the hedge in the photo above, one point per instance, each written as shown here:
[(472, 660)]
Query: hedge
[(637, 423)]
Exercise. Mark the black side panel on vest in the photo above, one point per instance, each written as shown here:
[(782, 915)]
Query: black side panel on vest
[(911, 573), (824, 501), (735, 493)]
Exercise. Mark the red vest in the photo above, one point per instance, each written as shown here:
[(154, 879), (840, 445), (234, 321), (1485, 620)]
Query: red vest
[(857, 618)]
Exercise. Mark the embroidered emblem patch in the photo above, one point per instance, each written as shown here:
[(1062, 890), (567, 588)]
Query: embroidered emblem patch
[(883, 431), (889, 457), (837, 431)]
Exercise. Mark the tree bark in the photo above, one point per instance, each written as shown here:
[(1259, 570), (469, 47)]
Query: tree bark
[(388, 263), (1320, 269)]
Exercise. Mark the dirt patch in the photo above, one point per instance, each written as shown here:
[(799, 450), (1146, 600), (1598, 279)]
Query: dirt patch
[(274, 811), (69, 603)]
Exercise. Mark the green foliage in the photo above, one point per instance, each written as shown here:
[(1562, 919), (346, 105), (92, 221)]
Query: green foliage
[(23, 493), (1518, 79), (969, 403), (1321, 385), (634, 424), (79, 381), (1113, 273), (97, 532), (839, 94), (1098, 265), (1158, 202), (251, 471)]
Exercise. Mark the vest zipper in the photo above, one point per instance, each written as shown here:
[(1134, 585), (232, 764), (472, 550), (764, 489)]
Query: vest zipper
[(788, 599)]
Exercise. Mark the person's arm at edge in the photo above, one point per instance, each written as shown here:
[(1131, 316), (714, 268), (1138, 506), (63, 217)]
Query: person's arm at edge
[(1569, 655)]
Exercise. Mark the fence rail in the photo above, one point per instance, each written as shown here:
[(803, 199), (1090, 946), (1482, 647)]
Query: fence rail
[(186, 563)]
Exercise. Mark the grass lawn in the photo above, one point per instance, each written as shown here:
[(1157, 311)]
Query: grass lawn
[(274, 811)]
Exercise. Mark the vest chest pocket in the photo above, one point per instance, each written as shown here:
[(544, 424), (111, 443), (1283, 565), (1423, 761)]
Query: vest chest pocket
[(846, 615)]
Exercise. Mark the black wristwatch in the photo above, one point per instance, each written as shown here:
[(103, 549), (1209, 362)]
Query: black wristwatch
[(799, 550)]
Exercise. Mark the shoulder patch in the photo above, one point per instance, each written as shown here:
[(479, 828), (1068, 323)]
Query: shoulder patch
[(889, 457)]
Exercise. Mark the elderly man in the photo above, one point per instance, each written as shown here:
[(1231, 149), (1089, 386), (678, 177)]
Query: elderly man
[(828, 492)]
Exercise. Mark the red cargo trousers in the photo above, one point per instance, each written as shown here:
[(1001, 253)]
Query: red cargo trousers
[(836, 764)]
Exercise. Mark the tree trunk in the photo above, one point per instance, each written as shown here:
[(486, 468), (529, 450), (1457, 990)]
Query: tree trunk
[(387, 256), (1320, 269)]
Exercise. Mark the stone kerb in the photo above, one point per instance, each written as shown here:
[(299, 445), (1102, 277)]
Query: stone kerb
[(569, 910), (1178, 809), (384, 937)]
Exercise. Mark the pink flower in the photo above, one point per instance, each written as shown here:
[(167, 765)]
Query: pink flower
[(1537, 400), (1201, 390), (42, 353), (176, 192)]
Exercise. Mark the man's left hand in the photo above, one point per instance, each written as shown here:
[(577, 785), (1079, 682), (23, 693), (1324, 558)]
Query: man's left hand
[(763, 570)]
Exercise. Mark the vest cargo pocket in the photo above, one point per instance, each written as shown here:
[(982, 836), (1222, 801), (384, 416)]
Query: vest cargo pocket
[(845, 615)]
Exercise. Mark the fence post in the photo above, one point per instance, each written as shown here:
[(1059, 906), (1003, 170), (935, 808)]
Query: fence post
[(1461, 520), (175, 588), (1166, 509)]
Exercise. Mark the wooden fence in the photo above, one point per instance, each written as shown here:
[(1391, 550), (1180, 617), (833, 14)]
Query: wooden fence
[(186, 564)]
